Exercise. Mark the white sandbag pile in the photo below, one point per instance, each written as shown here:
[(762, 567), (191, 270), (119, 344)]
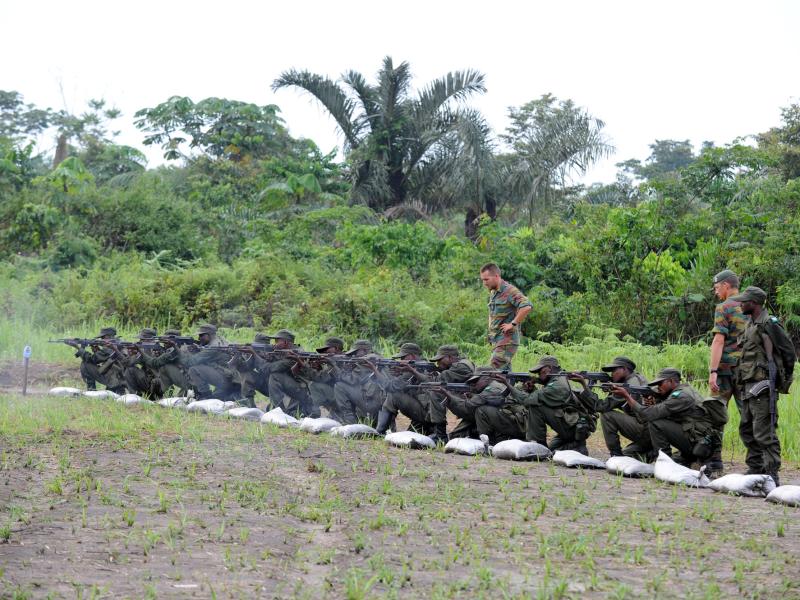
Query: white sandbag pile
[(785, 494), (409, 439), (668, 470), (354, 431), (519, 450), (212, 406), (574, 459), (64, 391), (245, 412), (131, 399), (101, 394), (319, 425), (629, 467), (174, 402), (277, 417), (754, 486), (468, 446)]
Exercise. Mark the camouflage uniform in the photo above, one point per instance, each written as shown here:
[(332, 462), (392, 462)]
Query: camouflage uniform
[(100, 365), (399, 398), (504, 303), (466, 407), (170, 366), (730, 322), (322, 379), (357, 393), (139, 377), (506, 422), (253, 372), (285, 381), (209, 367)]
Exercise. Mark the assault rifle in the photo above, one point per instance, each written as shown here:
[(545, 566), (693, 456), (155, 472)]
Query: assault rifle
[(513, 378), (592, 377), (82, 342), (178, 340), (641, 391), (458, 388)]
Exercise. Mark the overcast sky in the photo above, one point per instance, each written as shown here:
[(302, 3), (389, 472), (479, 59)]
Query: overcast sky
[(702, 70)]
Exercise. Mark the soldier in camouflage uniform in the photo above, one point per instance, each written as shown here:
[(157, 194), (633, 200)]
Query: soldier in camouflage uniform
[(285, 379), (508, 307), (207, 367), (253, 371), (683, 419), (139, 377), (399, 397), (321, 375), (96, 366), (484, 391), (357, 391), (616, 416), (170, 365), (453, 368)]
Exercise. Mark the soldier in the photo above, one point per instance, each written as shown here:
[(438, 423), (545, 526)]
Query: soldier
[(254, 371), (357, 392), (208, 367), (399, 398), (508, 307), (765, 348), (556, 405), (95, 365), (139, 377), (683, 420), (484, 391), (284, 378), (615, 415), (170, 365), (321, 375)]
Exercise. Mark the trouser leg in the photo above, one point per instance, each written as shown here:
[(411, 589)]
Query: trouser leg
[(345, 398), (171, 375), (610, 424), (764, 437), (497, 424), (410, 406), (283, 385), (536, 426), (638, 433), (88, 375), (202, 377), (502, 355), (322, 396), (666, 434)]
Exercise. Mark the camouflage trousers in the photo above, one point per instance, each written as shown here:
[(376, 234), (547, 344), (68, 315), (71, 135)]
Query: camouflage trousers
[(502, 355), (758, 436)]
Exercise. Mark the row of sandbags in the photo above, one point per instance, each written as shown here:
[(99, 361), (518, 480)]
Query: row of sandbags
[(664, 469)]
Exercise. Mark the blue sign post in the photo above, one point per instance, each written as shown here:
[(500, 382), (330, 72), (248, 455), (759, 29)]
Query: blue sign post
[(26, 357)]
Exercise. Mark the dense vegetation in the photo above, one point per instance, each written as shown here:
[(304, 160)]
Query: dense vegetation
[(247, 226)]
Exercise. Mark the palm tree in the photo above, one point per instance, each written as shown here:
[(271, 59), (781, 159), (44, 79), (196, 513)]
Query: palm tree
[(390, 134)]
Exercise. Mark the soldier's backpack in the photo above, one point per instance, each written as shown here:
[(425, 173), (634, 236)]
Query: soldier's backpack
[(783, 352)]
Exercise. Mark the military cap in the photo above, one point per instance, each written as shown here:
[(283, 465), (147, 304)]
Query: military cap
[(751, 294), (107, 332), (262, 338), (545, 361), (283, 334), (170, 332), (360, 345), (448, 350), (408, 348), (479, 372), (724, 276), (332, 342), (668, 373), (147, 333), (620, 361), (206, 329)]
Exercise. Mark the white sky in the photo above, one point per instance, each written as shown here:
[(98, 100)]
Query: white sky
[(702, 70)]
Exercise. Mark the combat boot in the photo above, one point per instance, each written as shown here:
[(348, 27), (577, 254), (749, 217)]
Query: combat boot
[(775, 478), (439, 434), (385, 421)]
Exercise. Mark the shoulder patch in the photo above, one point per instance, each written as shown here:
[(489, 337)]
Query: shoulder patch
[(774, 319), (675, 393), (550, 384)]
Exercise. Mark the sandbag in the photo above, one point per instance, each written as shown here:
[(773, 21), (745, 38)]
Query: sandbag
[(629, 467), (174, 402), (319, 425), (277, 417), (785, 494), (668, 470), (409, 439), (744, 485), (468, 446), (131, 399), (354, 431), (519, 450), (210, 406), (574, 459), (64, 391), (101, 394), (246, 413)]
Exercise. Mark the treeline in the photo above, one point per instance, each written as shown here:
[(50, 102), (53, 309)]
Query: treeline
[(249, 226)]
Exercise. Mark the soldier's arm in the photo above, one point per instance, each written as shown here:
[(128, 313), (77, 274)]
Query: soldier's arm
[(663, 410)]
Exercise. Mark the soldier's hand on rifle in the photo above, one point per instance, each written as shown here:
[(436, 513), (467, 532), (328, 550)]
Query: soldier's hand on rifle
[(169, 342), (649, 400), (502, 379), (369, 364), (72, 343), (577, 377)]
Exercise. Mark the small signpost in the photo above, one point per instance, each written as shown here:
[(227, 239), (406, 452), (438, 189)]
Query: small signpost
[(26, 358)]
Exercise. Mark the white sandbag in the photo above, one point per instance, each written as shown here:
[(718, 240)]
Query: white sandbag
[(319, 425), (409, 439), (574, 459), (210, 406), (668, 470), (246, 413), (755, 486), (519, 450), (64, 391), (101, 394), (277, 417), (354, 431), (131, 399), (629, 467), (467, 446), (174, 402), (785, 494)]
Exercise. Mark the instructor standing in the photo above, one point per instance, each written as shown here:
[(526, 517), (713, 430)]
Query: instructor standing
[(508, 308)]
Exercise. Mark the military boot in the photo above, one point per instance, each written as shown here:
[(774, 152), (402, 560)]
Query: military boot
[(775, 478), (439, 434), (385, 421)]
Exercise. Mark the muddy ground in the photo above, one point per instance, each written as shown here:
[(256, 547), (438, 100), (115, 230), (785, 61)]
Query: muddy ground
[(181, 505)]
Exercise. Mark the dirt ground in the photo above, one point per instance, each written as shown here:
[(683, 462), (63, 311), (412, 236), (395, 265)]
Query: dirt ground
[(226, 508)]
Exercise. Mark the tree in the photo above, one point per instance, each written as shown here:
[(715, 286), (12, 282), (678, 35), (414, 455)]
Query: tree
[(666, 156), (551, 141), (389, 133)]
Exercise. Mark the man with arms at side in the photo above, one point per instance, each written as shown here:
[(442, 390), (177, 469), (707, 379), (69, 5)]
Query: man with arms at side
[(508, 308)]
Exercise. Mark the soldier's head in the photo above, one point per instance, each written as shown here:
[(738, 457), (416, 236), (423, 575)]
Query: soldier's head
[(284, 339), (479, 380), (360, 348), (408, 351), (666, 381), (148, 333), (172, 333), (262, 338), (620, 368), (107, 333), (726, 284), (446, 356), (333, 345), (490, 276), (753, 299), (205, 333), (546, 366)]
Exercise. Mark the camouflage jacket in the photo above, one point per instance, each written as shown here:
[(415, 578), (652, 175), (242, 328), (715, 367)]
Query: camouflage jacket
[(730, 322), (504, 303)]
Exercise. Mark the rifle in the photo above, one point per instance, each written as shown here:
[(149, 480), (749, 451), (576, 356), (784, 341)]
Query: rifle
[(512, 377), (459, 388), (178, 340), (255, 347), (642, 391), (82, 342), (591, 376), (386, 363)]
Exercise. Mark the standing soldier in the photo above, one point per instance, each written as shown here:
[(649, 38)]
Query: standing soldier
[(508, 307), (765, 368)]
